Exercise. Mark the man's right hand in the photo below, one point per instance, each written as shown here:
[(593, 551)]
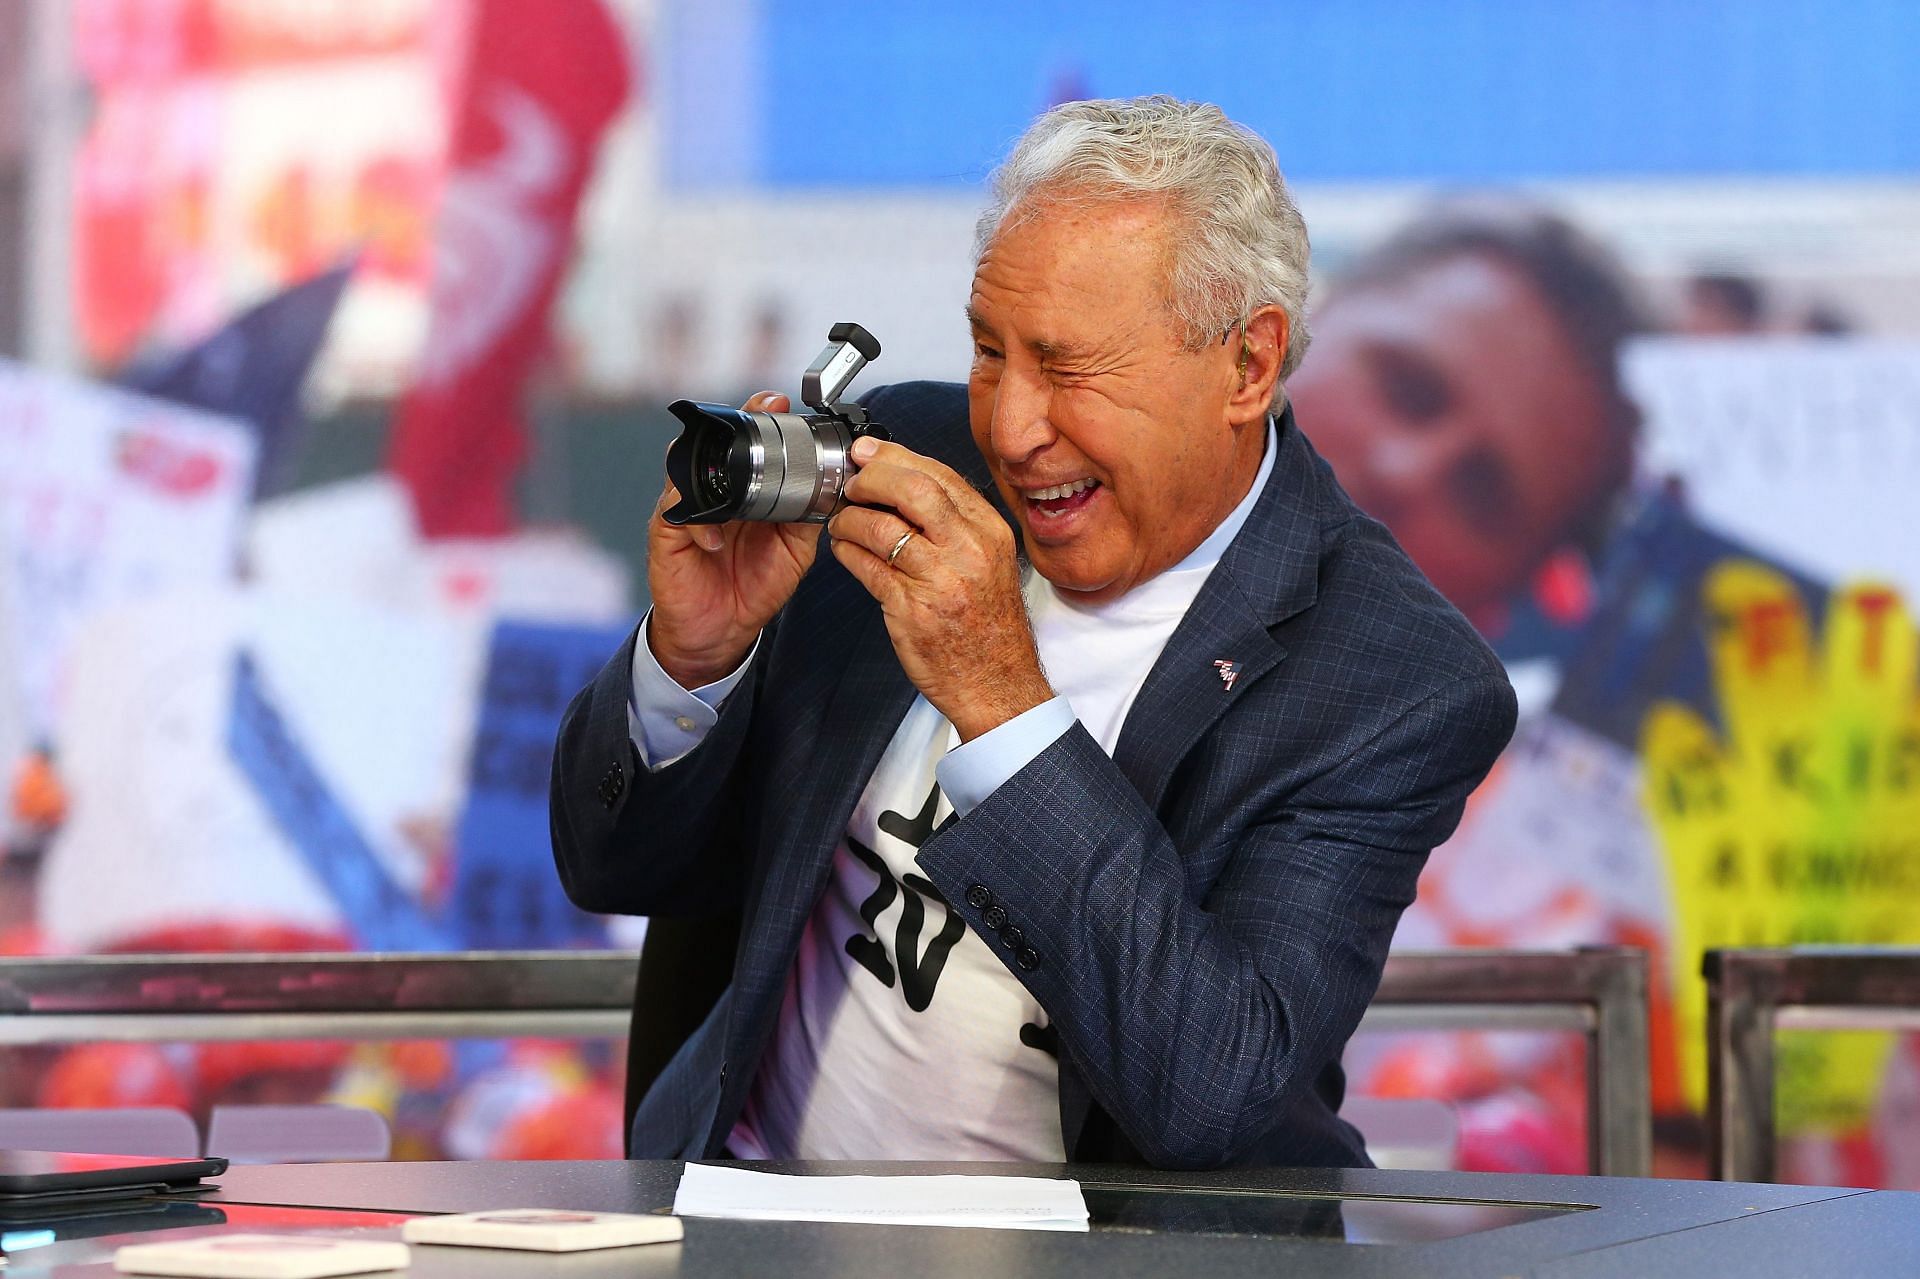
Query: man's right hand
[(716, 586)]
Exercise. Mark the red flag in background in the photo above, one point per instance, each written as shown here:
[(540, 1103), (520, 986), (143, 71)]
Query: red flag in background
[(542, 80)]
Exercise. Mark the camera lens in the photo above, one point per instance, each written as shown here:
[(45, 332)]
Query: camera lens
[(710, 477), (713, 464)]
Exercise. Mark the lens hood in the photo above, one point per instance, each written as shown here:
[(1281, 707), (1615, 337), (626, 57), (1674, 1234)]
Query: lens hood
[(710, 463)]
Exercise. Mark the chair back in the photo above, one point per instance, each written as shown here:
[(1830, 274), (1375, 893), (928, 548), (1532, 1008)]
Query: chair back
[(298, 1134), (125, 1130), (685, 966)]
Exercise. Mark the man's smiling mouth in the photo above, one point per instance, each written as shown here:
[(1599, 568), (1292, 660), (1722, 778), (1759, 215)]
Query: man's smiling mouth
[(1061, 499)]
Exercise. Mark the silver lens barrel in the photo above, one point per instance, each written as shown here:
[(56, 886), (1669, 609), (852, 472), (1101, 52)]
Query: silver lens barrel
[(799, 466)]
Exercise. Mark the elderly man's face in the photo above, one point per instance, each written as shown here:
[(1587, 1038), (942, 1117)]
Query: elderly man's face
[(1117, 450), (1454, 408)]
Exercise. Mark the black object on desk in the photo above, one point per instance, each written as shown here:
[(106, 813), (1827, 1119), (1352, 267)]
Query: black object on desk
[(44, 1176)]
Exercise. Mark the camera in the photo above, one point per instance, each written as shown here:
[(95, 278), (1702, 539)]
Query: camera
[(781, 468)]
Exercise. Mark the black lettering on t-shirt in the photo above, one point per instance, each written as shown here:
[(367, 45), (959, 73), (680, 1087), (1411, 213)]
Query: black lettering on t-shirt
[(870, 952), (919, 970)]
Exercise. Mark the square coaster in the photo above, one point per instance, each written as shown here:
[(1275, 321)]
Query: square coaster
[(261, 1257), (542, 1229)]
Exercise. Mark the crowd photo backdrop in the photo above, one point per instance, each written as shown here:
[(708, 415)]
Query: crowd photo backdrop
[(326, 455)]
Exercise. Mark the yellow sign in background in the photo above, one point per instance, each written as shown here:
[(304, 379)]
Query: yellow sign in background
[(1801, 824)]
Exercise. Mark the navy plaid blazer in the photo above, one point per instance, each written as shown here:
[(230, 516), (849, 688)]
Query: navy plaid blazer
[(1208, 910)]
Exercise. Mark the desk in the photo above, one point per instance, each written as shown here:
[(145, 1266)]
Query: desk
[(1590, 1227)]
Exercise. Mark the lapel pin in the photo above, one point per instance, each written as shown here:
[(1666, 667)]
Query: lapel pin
[(1229, 672)]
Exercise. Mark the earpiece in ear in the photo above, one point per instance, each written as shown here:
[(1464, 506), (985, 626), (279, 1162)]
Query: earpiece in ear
[(1246, 347)]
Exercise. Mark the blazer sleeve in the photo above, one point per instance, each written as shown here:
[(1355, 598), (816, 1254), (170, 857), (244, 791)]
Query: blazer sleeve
[(630, 841), (1195, 1023)]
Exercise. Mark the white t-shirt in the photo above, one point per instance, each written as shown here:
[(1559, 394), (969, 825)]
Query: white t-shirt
[(903, 1034)]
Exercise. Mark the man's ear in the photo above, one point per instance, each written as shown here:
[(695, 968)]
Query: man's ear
[(1262, 351)]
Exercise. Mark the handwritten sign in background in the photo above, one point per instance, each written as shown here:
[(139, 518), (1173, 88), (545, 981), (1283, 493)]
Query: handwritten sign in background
[(105, 497)]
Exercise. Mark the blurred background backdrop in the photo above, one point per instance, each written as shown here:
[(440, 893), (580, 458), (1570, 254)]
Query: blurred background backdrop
[(334, 343)]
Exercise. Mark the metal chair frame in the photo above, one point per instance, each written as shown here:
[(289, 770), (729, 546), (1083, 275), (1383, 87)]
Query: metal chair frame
[(1600, 993), (1751, 994)]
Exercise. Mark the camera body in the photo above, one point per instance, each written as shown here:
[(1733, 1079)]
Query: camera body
[(780, 468)]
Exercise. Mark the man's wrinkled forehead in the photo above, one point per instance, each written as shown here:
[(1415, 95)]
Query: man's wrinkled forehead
[(1067, 199)]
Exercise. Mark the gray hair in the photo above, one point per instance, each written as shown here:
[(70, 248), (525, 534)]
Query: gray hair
[(1245, 243)]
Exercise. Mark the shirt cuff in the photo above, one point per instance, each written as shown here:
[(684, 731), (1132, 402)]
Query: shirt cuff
[(974, 770), (664, 720)]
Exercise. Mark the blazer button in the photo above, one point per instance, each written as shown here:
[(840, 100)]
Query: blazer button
[(1011, 937), (994, 917), (1028, 959), (978, 897), (613, 786)]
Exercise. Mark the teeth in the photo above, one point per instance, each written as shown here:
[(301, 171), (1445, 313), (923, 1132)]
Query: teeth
[(1059, 491)]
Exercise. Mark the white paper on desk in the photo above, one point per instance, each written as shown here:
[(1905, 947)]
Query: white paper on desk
[(1000, 1203)]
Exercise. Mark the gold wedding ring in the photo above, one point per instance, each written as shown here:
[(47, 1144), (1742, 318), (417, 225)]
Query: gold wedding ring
[(900, 545)]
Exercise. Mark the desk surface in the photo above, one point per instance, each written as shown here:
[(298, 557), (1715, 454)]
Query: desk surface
[(1604, 1226)]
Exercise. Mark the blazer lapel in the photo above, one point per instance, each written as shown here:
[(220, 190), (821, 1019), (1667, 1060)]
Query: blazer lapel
[(1269, 573)]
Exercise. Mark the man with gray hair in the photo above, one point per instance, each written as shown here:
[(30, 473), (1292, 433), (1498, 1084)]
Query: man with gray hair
[(1071, 825)]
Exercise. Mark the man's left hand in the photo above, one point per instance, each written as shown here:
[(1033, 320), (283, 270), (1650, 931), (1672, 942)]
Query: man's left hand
[(950, 592)]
